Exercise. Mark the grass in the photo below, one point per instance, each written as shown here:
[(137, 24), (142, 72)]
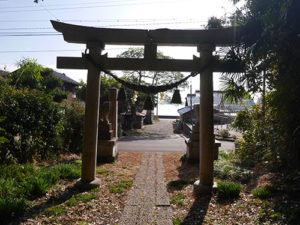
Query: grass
[(102, 171), (177, 199), (68, 171), (179, 184), (55, 211), (20, 183), (85, 197), (262, 192), (228, 190), (227, 167), (176, 221), (115, 189), (10, 207), (76, 199), (119, 188), (72, 202)]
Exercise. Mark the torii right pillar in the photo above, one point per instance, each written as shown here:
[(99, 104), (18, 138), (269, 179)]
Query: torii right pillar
[(205, 183)]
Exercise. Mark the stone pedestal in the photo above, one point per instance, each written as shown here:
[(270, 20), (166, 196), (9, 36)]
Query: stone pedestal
[(193, 147), (138, 120), (107, 150)]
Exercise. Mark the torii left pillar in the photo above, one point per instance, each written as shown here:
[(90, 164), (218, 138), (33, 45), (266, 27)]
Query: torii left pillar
[(90, 136)]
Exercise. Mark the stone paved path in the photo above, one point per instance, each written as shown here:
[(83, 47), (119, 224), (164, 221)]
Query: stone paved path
[(148, 201)]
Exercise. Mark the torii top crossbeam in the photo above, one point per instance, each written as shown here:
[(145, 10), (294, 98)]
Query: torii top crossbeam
[(166, 37)]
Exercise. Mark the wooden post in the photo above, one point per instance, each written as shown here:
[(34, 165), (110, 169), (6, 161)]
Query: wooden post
[(113, 110), (90, 137), (206, 122)]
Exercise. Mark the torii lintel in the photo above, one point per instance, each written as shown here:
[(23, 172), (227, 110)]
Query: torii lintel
[(166, 37)]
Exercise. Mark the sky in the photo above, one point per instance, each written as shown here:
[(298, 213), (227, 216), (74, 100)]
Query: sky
[(26, 31)]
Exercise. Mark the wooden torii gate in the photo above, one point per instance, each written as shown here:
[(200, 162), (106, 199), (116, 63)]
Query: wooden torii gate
[(95, 40)]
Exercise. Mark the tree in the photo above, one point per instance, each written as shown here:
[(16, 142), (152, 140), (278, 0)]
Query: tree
[(105, 85), (270, 52), (214, 22), (34, 76), (146, 77)]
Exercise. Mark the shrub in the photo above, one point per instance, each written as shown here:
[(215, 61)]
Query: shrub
[(228, 190), (228, 167), (262, 192), (73, 127), (32, 124), (262, 138), (2, 138), (59, 95), (18, 172)]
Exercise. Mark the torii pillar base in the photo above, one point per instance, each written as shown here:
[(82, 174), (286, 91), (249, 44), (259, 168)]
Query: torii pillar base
[(88, 185), (202, 188)]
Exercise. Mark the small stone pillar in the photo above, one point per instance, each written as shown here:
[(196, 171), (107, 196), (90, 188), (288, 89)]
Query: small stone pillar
[(90, 136), (206, 121), (113, 111), (107, 147), (193, 144)]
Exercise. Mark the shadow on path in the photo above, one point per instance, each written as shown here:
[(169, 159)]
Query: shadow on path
[(198, 210), (187, 174)]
